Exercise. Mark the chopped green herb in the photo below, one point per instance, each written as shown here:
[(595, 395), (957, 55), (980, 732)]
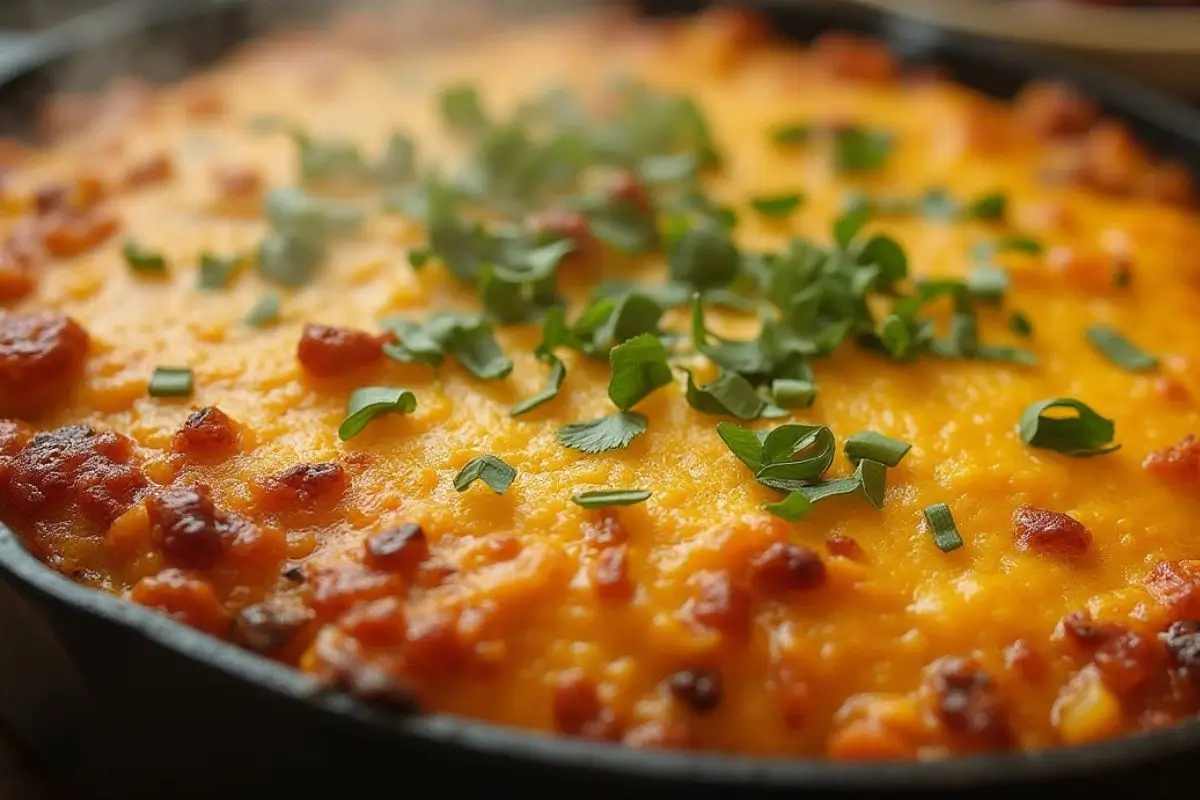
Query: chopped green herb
[(287, 259), (888, 256), (793, 393), (859, 150), (613, 432), (849, 224), (777, 205), (1020, 244), (1020, 324), (604, 498), (1081, 434), (987, 283), (729, 394), (171, 382), (792, 133), (639, 366), (941, 524), (992, 207), (269, 123), (876, 447), (1119, 350), (872, 477), (369, 402), (793, 508), (461, 108), (831, 488), (705, 256), (419, 257), (491, 470), (264, 312), (142, 260), (217, 271), (558, 374), (795, 454), (743, 443), (329, 160)]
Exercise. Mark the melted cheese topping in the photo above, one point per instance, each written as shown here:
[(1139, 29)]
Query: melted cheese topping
[(525, 631)]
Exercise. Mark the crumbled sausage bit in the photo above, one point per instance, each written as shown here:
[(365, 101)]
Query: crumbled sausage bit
[(238, 183), (610, 574), (846, 547), (1039, 530), (69, 233), (721, 604), (1123, 658), (699, 689), (50, 197), (578, 709), (152, 169), (572, 226), (267, 626), (1176, 585), (208, 432), (13, 436), (785, 567), (627, 187), (1178, 464), (326, 350), (606, 531), (969, 702), (306, 487), (74, 469), (191, 530), (42, 356), (1051, 109), (400, 549), (334, 590), (855, 58), (1182, 640)]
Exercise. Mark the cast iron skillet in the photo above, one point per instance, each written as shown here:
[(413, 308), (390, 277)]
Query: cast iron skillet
[(125, 703)]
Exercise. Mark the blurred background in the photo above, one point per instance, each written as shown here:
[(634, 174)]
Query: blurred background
[(1156, 42)]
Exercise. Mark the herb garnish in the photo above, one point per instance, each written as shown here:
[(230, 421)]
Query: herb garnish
[(1119, 350), (143, 260), (171, 382), (265, 311), (1083, 433), (876, 447), (777, 205), (941, 524), (368, 402), (603, 498), (493, 471), (613, 432), (217, 271)]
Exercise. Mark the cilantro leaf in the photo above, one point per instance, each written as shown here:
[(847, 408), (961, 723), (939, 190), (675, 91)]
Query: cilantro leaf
[(729, 394), (639, 366), (493, 471), (612, 432)]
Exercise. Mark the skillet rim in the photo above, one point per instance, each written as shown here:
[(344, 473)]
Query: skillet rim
[(37, 582)]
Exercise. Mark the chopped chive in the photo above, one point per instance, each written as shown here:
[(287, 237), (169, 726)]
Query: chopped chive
[(792, 133), (1081, 434), (872, 477), (217, 271), (1020, 244), (493, 471), (777, 205), (793, 393), (265, 311), (368, 402), (1020, 324), (171, 382), (990, 207), (1119, 350), (876, 447), (604, 498), (140, 259), (941, 523)]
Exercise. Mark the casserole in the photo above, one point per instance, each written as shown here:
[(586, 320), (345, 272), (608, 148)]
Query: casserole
[(207, 724)]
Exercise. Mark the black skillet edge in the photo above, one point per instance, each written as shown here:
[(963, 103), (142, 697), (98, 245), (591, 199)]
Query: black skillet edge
[(127, 703)]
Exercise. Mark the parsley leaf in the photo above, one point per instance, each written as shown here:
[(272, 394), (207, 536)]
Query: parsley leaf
[(612, 432), (705, 256), (639, 366), (369, 402), (729, 394)]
